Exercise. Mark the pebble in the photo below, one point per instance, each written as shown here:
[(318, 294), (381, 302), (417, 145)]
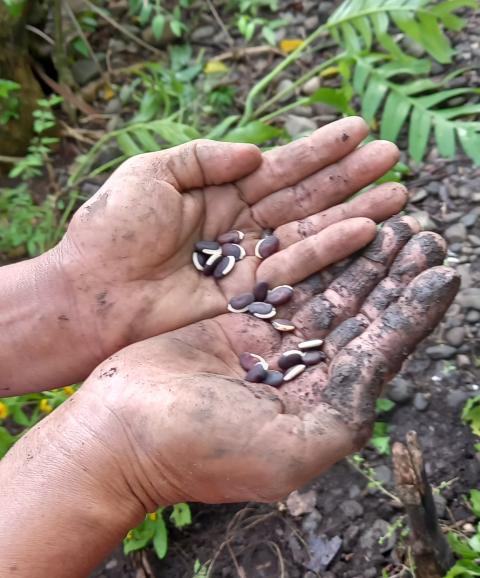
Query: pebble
[(440, 505), (283, 85), (469, 220), (425, 220), (456, 233), (455, 337), (418, 196), (441, 351), (469, 298), (370, 539), (352, 509), (456, 398), (474, 240), (383, 474), (298, 125), (420, 402), (473, 316), (85, 70), (301, 503), (463, 361), (311, 86), (203, 33), (312, 521), (400, 390)]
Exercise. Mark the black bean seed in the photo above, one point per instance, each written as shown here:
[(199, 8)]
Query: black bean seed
[(248, 360), (241, 301), (230, 249), (267, 233), (199, 260), (261, 308), (274, 378), (280, 295), (290, 358), (257, 374), (310, 344), (211, 264), (260, 291), (231, 237), (294, 372), (313, 357), (283, 325), (266, 247), (207, 246), (224, 267)]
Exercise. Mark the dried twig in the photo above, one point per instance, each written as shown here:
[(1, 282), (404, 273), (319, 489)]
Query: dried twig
[(239, 53), (219, 21)]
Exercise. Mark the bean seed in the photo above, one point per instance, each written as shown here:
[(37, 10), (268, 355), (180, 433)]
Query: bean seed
[(230, 249), (240, 303), (224, 267), (266, 233), (211, 264), (199, 260), (283, 325), (313, 357), (310, 344), (290, 358), (257, 374), (280, 295), (233, 236), (260, 307), (274, 378), (207, 247), (260, 291), (266, 247), (248, 360), (294, 372)]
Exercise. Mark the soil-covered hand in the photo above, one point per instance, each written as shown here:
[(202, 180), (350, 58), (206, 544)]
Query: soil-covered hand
[(189, 427), (127, 254)]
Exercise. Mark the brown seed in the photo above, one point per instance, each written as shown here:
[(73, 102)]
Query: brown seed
[(280, 295), (233, 236), (313, 357), (274, 378), (294, 372), (224, 267), (230, 249), (266, 247), (283, 325), (248, 360), (310, 344), (199, 260), (290, 358), (211, 264), (257, 374), (240, 303), (260, 291), (208, 247)]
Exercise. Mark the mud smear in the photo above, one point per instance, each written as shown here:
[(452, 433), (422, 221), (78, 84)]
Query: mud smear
[(346, 332), (376, 251)]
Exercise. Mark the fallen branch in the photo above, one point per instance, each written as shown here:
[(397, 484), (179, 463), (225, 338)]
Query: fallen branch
[(431, 552)]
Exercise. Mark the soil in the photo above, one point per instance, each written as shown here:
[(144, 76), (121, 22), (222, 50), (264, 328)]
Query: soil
[(338, 534)]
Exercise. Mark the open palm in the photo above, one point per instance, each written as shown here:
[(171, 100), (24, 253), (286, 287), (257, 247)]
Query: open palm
[(127, 251), (197, 431)]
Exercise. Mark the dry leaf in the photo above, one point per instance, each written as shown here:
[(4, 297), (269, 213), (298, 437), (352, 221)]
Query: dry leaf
[(290, 44), (215, 67)]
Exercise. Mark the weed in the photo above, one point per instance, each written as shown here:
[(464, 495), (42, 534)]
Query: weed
[(154, 12), (9, 101)]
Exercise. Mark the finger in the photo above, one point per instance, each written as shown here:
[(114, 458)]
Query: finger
[(197, 163), (306, 257), (424, 250), (285, 166), (346, 294), (378, 204), (358, 372), (327, 187)]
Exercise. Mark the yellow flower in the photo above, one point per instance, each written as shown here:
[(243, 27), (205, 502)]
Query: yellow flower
[(3, 410), (129, 536), (153, 516), (215, 67), (288, 45), (69, 390), (45, 406)]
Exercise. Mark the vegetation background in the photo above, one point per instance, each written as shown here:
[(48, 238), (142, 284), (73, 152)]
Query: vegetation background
[(84, 84)]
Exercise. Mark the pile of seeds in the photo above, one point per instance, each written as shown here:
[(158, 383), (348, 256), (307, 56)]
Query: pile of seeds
[(218, 257)]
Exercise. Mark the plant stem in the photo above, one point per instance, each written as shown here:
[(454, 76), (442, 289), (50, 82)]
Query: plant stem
[(266, 80), (304, 78), (284, 109)]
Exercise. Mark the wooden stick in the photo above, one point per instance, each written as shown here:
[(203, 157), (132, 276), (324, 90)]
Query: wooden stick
[(430, 549)]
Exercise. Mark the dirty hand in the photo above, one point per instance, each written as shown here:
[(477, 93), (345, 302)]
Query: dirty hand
[(171, 418), (128, 251)]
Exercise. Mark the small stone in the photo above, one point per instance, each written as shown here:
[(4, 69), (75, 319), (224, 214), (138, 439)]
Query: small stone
[(299, 126), (426, 222), (352, 509), (456, 233), (85, 70), (311, 86), (378, 532), (111, 564), (441, 351), (203, 33), (311, 522), (418, 196), (284, 84), (114, 106), (455, 336), (469, 298), (400, 390), (301, 503), (463, 361), (420, 402), (383, 474), (473, 316), (440, 505), (469, 220), (456, 398), (474, 240)]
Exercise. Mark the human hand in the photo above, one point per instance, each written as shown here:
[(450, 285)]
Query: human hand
[(192, 428), (126, 255)]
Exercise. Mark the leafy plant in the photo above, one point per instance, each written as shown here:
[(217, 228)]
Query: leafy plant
[(248, 25), (15, 7), (156, 14), (153, 530), (9, 101), (467, 549), (471, 414)]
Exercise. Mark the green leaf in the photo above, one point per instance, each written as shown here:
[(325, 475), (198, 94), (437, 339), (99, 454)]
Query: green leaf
[(181, 515), (418, 134), (474, 543), (352, 42), (255, 132), (269, 35), (333, 96), (384, 405), (445, 138), (150, 106), (475, 502), (395, 114), (470, 140), (220, 129), (160, 539), (460, 546), (6, 441), (158, 26), (146, 140), (81, 47), (127, 145), (174, 133), (176, 27), (373, 97), (464, 568), (365, 29)]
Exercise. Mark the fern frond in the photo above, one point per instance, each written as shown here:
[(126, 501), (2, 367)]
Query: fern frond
[(356, 23), (389, 93)]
